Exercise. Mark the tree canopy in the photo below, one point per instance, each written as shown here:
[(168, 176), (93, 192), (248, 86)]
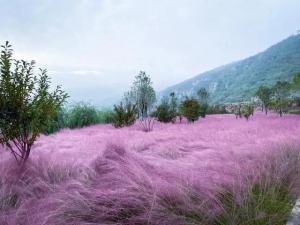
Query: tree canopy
[(26, 103), (143, 94)]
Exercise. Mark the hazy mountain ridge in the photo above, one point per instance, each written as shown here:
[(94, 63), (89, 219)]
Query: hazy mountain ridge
[(239, 80)]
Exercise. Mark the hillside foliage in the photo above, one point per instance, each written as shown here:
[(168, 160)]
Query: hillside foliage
[(238, 81)]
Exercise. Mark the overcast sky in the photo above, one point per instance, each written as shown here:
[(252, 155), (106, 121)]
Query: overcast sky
[(95, 47)]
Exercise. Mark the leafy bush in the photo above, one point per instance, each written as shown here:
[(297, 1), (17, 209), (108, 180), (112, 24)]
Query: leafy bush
[(203, 97), (190, 108), (264, 93), (105, 116), (165, 112), (58, 122), (82, 115), (281, 91), (26, 104), (79, 115), (247, 111), (203, 110), (124, 114)]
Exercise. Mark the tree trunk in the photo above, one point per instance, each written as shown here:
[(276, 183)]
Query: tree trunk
[(280, 112), (26, 153)]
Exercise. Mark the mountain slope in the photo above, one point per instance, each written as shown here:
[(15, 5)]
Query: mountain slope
[(238, 81)]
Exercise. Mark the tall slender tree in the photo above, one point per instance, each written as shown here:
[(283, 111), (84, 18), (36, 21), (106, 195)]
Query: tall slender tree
[(264, 93), (174, 106), (281, 92), (203, 96), (142, 94)]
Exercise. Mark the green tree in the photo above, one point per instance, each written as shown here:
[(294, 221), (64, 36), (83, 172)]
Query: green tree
[(26, 104), (264, 93), (238, 110), (174, 104), (125, 114), (59, 121), (247, 111), (295, 84), (166, 112), (203, 96), (281, 92), (190, 108), (82, 114), (142, 94)]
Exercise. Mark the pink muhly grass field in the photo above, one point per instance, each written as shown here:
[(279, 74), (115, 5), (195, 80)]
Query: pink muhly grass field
[(104, 175)]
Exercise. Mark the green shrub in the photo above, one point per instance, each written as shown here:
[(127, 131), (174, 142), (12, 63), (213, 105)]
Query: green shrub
[(27, 104), (190, 109), (59, 122), (247, 111), (264, 93), (124, 114), (203, 97), (81, 115), (105, 116), (281, 92), (165, 112), (203, 110)]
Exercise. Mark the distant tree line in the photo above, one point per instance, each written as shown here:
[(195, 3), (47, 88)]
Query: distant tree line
[(28, 107), (140, 103), (192, 108), (280, 96), (78, 115), (244, 110)]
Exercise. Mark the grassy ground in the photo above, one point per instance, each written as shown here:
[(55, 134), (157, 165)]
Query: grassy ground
[(220, 170)]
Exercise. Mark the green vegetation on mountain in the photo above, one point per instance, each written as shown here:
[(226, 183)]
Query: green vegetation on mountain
[(240, 80)]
